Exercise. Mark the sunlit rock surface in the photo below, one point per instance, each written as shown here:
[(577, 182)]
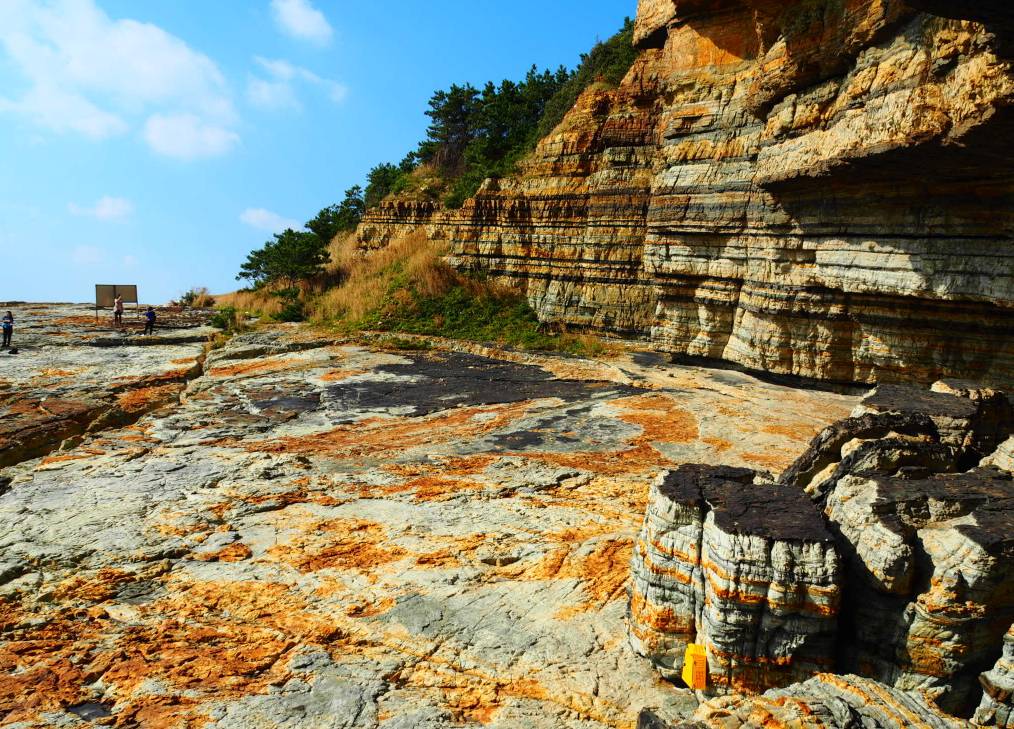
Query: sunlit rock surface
[(815, 187), (324, 535), (927, 535), (827, 700), (74, 373)]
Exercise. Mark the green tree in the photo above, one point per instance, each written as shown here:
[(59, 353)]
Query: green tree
[(291, 257), (340, 218), (381, 182)]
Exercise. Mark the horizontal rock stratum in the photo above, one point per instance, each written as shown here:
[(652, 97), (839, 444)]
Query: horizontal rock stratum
[(815, 187)]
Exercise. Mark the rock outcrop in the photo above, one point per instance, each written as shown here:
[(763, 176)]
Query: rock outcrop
[(747, 570), (64, 383), (813, 187), (927, 535), (911, 586), (997, 708)]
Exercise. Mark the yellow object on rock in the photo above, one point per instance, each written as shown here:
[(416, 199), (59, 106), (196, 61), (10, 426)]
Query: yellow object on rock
[(695, 667)]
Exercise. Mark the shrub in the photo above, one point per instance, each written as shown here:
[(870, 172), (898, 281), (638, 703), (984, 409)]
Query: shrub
[(197, 297)]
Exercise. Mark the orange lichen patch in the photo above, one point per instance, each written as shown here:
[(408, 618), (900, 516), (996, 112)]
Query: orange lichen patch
[(453, 555), (235, 552), (183, 361), (350, 544), (76, 455), (57, 373), (147, 398), (254, 367), (436, 488), (370, 609), (339, 375), (772, 460), (81, 320), (376, 436), (801, 432), (660, 417), (170, 376), (95, 588), (721, 445), (603, 573)]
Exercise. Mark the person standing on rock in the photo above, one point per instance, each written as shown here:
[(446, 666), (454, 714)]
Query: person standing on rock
[(149, 324), (118, 310), (8, 327)]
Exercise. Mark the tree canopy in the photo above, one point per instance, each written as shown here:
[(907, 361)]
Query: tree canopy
[(474, 134), (292, 256)]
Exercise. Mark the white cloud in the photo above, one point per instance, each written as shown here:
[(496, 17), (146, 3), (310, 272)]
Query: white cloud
[(267, 220), (87, 255), (300, 19), (129, 261), (111, 209), (278, 92), (187, 136), (92, 75)]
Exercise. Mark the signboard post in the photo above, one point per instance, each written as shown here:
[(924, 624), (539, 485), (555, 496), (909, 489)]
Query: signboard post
[(105, 296)]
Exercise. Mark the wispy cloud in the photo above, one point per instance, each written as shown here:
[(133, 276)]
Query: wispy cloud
[(300, 19), (267, 220), (91, 75), (278, 92), (109, 209), (87, 255), (187, 136)]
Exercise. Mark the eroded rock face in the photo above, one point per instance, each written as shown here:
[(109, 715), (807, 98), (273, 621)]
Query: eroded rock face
[(746, 569), (927, 535), (327, 535), (814, 187), (997, 708)]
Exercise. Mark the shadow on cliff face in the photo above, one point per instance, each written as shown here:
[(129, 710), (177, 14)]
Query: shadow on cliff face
[(921, 237)]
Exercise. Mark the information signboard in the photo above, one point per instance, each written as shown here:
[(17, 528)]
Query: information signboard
[(105, 295)]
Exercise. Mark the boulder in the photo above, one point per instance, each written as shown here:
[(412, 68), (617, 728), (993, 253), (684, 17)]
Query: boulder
[(746, 569)]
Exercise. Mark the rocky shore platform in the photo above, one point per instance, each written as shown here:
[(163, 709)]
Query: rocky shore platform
[(290, 531)]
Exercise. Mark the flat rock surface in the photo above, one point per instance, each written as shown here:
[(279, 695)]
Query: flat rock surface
[(328, 535), (72, 372)]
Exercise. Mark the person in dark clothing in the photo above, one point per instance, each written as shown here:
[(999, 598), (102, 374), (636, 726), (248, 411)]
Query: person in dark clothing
[(8, 328), (149, 323)]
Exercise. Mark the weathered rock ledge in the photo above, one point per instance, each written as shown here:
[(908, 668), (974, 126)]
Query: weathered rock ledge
[(814, 187)]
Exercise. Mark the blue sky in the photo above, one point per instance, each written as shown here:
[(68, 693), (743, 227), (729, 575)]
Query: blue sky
[(158, 142)]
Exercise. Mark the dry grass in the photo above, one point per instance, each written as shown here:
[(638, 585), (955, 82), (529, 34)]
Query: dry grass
[(261, 302), (367, 277)]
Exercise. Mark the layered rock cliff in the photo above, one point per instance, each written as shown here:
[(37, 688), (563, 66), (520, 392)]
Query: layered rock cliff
[(815, 187)]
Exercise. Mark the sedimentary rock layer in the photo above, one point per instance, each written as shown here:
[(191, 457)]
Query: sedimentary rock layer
[(746, 570), (64, 382), (814, 187)]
